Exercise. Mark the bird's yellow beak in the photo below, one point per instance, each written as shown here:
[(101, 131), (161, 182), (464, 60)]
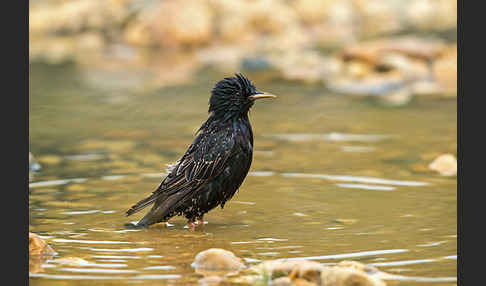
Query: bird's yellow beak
[(262, 95)]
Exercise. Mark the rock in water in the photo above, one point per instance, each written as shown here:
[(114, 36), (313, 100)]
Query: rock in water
[(310, 271), (37, 246), (217, 259), (39, 251), (445, 164), (351, 273), (304, 272)]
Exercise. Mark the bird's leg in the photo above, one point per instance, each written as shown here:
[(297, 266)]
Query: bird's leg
[(200, 220), (191, 224)]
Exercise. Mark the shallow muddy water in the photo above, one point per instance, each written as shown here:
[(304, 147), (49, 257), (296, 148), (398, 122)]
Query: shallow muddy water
[(333, 178)]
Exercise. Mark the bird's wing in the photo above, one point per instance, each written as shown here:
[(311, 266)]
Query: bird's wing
[(203, 161)]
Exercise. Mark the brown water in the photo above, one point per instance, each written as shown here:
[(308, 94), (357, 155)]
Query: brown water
[(333, 178)]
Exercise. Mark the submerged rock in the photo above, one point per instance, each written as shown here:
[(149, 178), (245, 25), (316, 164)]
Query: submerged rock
[(37, 246), (210, 280), (39, 251), (445, 164)]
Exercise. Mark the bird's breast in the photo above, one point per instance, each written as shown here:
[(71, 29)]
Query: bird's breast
[(244, 135)]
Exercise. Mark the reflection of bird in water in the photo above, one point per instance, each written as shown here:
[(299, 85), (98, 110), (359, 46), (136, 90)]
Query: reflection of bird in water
[(216, 163)]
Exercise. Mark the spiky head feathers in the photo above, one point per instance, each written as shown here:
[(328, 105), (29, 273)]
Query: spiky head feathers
[(231, 96)]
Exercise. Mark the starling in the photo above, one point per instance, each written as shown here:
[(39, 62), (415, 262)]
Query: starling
[(216, 163)]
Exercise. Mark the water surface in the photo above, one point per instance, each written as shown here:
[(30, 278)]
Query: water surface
[(333, 178)]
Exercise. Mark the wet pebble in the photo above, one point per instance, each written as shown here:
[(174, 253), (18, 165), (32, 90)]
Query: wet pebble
[(306, 272), (217, 259), (38, 246), (445, 164)]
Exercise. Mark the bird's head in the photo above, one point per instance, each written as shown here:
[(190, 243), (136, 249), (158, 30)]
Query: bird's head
[(234, 96)]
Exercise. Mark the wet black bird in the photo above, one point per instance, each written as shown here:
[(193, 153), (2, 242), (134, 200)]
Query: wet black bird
[(216, 163)]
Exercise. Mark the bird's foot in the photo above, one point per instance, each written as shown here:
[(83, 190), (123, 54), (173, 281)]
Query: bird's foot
[(200, 221), (191, 224)]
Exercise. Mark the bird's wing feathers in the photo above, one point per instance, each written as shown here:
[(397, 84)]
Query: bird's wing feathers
[(203, 161)]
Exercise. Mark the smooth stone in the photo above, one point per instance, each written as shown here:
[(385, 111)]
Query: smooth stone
[(217, 259), (38, 246), (445, 164)]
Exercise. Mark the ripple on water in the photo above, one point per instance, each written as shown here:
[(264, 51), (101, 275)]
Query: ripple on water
[(366, 187), (97, 270), (121, 249), (75, 277), (244, 203), (251, 260), (107, 265), (403, 262), (421, 279), (270, 253), (160, 267), (357, 149), (112, 178), (115, 257), (84, 157), (358, 179), (157, 276), (261, 173), (333, 136), (272, 239), (104, 277), (91, 241), (56, 182), (431, 244), (114, 231), (349, 255), (81, 212)]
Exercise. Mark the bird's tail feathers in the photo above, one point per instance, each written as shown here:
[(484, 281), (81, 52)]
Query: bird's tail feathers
[(141, 205), (162, 209)]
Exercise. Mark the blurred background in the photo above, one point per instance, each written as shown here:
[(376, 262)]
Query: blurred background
[(335, 42), (355, 159)]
